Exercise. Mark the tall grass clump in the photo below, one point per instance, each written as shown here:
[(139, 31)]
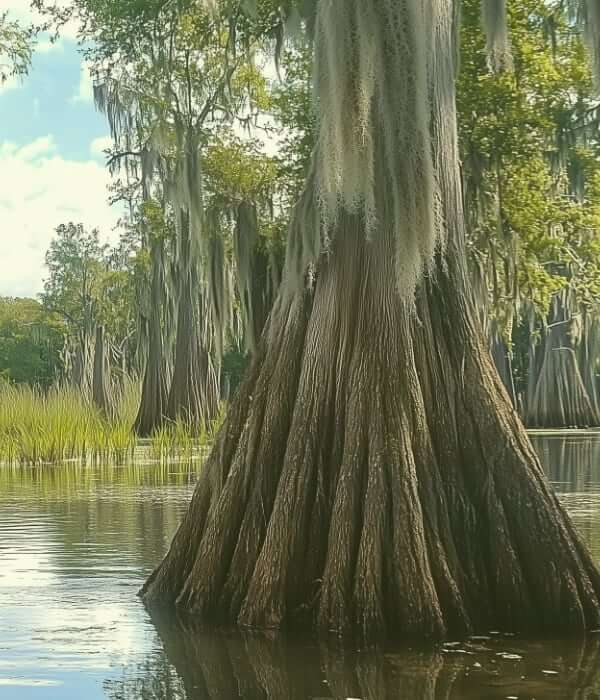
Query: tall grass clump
[(48, 426), (40, 426), (176, 440)]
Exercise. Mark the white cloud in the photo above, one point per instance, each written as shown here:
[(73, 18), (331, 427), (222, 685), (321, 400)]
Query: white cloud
[(10, 83), (99, 145), (43, 146), (41, 190), (21, 10), (85, 91)]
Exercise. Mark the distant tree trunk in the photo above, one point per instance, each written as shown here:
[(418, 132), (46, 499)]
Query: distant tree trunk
[(101, 384), (153, 402), (560, 399), (372, 477), (588, 355), (258, 276), (82, 364), (194, 392), (503, 362)]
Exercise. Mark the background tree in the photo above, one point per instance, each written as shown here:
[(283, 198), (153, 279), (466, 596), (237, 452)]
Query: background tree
[(91, 287), (16, 47), (528, 139), (30, 342), (76, 267)]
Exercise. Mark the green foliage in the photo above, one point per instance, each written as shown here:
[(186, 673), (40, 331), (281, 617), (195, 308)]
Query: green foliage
[(293, 108), (237, 170), (30, 342), (76, 262), (529, 142), (16, 46), (89, 284)]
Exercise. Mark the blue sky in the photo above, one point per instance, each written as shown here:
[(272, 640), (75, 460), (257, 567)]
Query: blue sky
[(51, 162)]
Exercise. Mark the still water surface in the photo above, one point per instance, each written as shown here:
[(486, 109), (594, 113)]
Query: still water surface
[(76, 544)]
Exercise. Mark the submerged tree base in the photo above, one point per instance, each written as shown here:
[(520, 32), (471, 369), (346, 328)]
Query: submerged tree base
[(224, 665), (372, 478)]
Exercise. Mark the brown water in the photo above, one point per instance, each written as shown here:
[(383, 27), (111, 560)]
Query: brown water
[(76, 544)]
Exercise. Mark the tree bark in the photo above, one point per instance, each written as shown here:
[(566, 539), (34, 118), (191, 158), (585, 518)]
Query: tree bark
[(101, 383), (372, 477), (82, 365)]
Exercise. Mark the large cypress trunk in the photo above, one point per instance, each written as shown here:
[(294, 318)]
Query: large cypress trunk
[(372, 476)]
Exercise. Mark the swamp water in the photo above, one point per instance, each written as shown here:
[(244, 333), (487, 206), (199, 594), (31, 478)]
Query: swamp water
[(77, 543)]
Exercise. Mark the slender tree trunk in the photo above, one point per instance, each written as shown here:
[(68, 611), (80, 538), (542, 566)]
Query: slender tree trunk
[(101, 384), (262, 289), (503, 362), (372, 477), (153, 401), (83, 364)]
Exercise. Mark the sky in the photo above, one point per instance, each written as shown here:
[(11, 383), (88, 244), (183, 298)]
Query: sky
[(51, 159)]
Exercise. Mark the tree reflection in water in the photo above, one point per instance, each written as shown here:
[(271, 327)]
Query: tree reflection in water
[(200, 664)]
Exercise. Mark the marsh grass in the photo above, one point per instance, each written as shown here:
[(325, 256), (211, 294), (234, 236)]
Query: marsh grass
[(175, 440), (58, 425)]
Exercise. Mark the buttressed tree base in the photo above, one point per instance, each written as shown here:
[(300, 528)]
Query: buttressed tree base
[(371, 477)]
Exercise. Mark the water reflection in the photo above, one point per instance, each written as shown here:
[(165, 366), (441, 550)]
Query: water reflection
[(572, 462), (77, 542), (213, 665)]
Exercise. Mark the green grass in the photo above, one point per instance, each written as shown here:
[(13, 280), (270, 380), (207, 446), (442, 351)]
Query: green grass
[(176, 440), (59, 425)]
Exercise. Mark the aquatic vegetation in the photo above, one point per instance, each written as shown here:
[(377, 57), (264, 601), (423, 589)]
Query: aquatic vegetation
[(40, 426)]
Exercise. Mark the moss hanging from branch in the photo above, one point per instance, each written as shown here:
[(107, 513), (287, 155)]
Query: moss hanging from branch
[(495, 26), (375, 143)]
